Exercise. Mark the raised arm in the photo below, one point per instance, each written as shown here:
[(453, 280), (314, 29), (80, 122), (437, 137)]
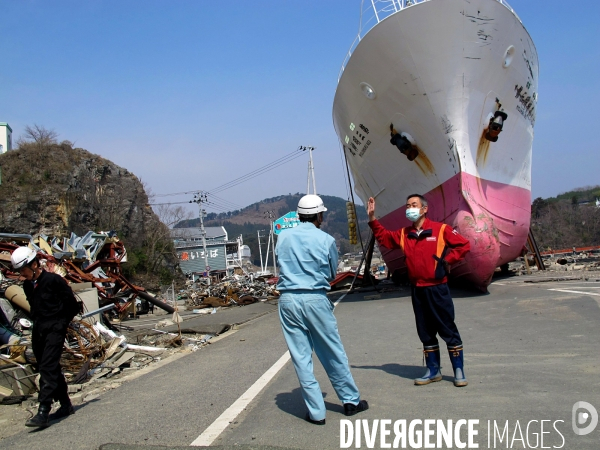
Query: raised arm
[(387, 238), (371, 209)]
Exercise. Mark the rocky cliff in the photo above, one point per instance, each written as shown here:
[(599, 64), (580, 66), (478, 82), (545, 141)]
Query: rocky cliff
[(56, 189)]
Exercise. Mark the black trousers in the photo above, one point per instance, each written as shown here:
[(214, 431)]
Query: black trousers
[(434, 314), (47, 341)]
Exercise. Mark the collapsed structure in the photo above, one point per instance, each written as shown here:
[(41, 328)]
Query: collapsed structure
[(95, 347)]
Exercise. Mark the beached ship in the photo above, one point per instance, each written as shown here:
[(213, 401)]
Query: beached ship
[(439, 97)]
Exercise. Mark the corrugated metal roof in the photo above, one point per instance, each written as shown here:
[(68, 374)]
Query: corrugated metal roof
[(195, 233)]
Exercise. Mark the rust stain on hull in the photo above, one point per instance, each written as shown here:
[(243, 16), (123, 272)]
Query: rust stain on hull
[(482, 149), (440, 189), (423, 163), (479, 186)]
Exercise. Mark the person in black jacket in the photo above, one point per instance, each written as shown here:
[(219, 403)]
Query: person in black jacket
[(53, 306)]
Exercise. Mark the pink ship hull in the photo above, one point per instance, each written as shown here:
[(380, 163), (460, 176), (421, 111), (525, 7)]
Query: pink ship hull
[(466, 203)]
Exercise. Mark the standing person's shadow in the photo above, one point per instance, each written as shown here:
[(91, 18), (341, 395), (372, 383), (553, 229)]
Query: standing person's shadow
[(293, 403), (409, 372)]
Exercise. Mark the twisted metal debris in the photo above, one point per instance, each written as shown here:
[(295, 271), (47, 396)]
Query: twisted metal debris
[(235, 291), (95, 258)]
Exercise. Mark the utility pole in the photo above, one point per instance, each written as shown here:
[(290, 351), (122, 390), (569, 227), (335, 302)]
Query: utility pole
[(199, 198), (273, 239), (267, 254), (311, 170), (260, 251), (240, 242), (271, 216)]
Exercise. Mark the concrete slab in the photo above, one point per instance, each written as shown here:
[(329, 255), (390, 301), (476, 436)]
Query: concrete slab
[(224, 319)]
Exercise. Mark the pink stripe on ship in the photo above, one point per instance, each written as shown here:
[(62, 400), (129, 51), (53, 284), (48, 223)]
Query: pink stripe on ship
[(493, 216)]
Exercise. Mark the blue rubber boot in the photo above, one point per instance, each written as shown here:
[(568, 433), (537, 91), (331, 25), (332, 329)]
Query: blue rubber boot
[(457, 359), (432, 360)]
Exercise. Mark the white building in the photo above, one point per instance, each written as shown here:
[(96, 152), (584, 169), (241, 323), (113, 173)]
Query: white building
[(5, 137)]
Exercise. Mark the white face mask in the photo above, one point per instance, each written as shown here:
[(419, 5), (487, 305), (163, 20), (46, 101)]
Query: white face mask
[(413, 214)]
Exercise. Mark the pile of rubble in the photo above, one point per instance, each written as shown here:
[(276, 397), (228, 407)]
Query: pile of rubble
[(95, 258), (576, 261), (93, 349), (236, 291)]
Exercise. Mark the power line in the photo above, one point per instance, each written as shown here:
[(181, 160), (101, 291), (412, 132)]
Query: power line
[(219, 202), (217, 207), (297, 153), (255, 175), (174, 194), (298, 150), (169, 204), (269, 166), (227, 202)]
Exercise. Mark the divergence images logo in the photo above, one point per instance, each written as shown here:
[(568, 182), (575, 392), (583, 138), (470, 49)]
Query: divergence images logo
[(580, 418)]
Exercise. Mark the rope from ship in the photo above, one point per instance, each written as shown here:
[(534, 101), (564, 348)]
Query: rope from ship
[(349, 185)]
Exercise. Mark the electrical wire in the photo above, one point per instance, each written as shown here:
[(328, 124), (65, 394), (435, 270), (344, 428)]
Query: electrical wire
[(255, 173), (226, 201), (221, 205), (167, 204), (260, 169), (220, 202), (217, 207), (174, 194)]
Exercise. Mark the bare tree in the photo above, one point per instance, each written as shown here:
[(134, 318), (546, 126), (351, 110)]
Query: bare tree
[(159, 244), (561, 226), (39, 135)]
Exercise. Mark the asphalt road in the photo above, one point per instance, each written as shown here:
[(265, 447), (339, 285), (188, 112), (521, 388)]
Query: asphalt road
[(531, 353)]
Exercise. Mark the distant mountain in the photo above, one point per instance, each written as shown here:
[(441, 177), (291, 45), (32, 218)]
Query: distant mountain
[(247, 221)]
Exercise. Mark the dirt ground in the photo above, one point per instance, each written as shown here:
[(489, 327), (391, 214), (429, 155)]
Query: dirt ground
[(13, 417)]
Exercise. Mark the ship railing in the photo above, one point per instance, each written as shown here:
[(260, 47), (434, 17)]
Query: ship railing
[(374, 11)]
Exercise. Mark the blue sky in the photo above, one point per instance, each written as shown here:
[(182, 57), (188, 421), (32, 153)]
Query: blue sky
[(192, 94)]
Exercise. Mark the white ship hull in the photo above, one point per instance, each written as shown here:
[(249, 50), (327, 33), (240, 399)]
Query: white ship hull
[(438, 70)]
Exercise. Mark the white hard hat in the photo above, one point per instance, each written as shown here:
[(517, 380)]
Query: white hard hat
[(22, 256), (311, 204)]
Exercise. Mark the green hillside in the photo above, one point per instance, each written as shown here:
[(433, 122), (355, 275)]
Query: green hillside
[(571, 219)]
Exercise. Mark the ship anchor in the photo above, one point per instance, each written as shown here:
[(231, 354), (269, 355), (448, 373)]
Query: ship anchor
[(406, 147), (495, 126)]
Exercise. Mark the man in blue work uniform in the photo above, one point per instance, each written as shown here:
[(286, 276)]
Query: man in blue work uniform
[(307, 262)]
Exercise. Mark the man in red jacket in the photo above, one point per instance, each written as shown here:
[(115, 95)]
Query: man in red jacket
[(430, 249)]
